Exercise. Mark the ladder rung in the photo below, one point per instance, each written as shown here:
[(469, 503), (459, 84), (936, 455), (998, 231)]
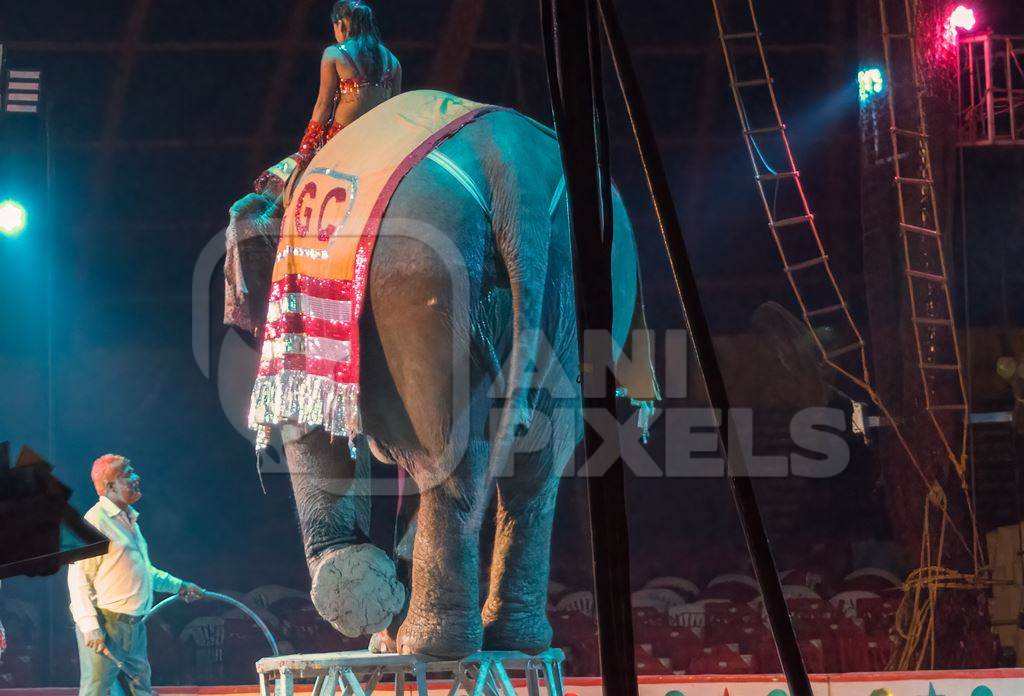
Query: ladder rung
[(912, 181), (824, 310), (927, 276), (740, 35), (948, 407), (937, 366), (919, 230), (843, 351), (763, 131), (787, 222), (751, 83), (777, 175), (911, 133), (898, 36), (816, 261), (929, 321)]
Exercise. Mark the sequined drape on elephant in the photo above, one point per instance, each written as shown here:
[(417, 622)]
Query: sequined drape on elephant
[(309, 366)]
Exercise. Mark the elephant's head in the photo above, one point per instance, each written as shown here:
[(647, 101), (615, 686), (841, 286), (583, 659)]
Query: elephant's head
[(252, 235)]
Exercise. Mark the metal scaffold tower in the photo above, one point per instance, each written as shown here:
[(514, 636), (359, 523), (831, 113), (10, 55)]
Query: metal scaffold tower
[(991, 89)]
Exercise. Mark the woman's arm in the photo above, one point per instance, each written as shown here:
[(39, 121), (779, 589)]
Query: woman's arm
[(328, 87), (313, 138)]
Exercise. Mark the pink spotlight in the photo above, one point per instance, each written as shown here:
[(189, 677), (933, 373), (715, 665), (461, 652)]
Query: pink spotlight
[(962, 18)]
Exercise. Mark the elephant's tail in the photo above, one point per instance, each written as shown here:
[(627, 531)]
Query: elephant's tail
[(523, 229)]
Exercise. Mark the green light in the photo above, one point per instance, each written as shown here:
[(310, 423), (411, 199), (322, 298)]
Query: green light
[(870, 82), (13, 218)]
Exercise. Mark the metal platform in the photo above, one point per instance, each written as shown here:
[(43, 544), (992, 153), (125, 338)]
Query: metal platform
[(361, 673)]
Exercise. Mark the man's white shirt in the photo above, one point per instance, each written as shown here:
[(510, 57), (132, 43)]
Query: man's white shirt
[(122, 580)]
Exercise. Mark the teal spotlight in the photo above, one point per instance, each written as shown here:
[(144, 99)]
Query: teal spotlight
[(13, 218), (870, 81)]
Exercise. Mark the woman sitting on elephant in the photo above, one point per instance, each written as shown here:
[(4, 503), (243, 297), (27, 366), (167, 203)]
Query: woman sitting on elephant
[(356, 74)]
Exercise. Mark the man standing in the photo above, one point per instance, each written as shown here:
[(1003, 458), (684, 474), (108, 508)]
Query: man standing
[(111, 594)]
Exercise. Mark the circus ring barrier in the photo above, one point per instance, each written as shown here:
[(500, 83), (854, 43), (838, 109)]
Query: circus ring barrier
[(993, 682)]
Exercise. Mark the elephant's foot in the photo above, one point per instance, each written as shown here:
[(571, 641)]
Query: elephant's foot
[(382, 642), (525, 630), (355, 589), (450, 636)]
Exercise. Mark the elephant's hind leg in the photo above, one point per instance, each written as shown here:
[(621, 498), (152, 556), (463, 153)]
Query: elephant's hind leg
[(515, 613), (443, 620)]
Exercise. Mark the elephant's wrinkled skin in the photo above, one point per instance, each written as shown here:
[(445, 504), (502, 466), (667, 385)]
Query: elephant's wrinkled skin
[(508, 323)]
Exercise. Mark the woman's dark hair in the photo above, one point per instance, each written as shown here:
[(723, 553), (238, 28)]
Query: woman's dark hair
[(365, 36)]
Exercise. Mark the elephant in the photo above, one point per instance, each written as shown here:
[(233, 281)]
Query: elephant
[(507, 333)]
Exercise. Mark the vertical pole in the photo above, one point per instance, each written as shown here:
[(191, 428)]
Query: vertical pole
[(990, 109), (700, 332), (1009, 88), (50, 246), (961, 121), (972, 105), (574, 71)]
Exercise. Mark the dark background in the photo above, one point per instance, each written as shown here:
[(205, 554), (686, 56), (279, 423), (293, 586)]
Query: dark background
[(162, 113)]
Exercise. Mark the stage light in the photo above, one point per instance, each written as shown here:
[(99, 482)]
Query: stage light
[(960, 19), (870, 82), (13, 218)]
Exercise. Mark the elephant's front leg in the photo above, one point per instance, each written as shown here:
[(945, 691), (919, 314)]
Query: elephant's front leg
[(444, 609), (354, 586)]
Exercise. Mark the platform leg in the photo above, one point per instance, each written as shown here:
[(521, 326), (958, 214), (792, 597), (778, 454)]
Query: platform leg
[(400, 683), (554, 685), (264, 688), (481, 678), (374, 679), (532, 679), (560, 677), (457, 679), (285, 683), (352, 683), (330, 682), (421, 680), (503, 682)]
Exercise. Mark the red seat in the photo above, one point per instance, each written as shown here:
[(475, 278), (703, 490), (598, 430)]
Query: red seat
[(649, 615), (725, 619), (863, 652), (720, 659), (878, 613), (679, 645), (576, 633), (647, 663), (766, 657)]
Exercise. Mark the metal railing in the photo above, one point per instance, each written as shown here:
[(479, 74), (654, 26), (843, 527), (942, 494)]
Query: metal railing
[(991, 89)]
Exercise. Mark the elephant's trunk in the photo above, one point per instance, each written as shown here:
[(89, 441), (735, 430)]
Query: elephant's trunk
[(253, 232)]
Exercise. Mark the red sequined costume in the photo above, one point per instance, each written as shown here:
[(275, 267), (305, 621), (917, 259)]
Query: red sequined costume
[(316, 134)]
